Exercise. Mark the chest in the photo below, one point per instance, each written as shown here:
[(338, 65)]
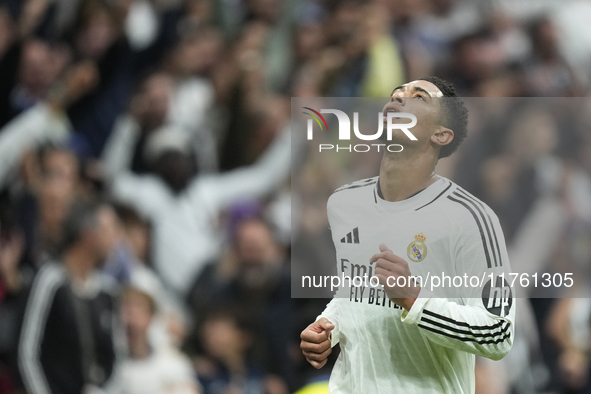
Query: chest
[(422, 239)]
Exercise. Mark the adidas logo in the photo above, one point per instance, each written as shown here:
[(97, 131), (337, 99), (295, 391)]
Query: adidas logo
[(352, 237)]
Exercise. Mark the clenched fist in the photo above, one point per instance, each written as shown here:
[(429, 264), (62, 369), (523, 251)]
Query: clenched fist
[(315, 343)]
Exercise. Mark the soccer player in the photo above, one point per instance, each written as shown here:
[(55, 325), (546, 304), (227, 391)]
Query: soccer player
[(402, 337)]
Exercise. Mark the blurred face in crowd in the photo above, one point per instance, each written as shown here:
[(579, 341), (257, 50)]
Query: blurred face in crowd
[(533, 134), (478, 58), (155, 99), (223, 339), (255, 244), (345, 19), (104, 236), (498, 177), (63, 167), (422, 99), (60, 169), (309, 41), (176, 169), (54, 202), (137, 311), (138, 236), (197, 53), (545, 39), (40, 66), (199, 9), (348, 31), (97, 34), (265, 10)]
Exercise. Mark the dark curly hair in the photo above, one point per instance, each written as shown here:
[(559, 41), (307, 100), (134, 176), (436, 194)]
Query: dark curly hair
[(455, 114)]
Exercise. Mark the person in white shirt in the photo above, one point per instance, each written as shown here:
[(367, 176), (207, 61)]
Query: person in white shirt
[(183, 205), (152, 367), (409, 221)]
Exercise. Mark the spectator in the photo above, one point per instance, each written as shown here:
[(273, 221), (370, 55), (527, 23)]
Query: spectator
[(39, 67), (549, 74), (182, 204), (151, 368), (131, 257), (260, 288), (70, 341), (226, 365)]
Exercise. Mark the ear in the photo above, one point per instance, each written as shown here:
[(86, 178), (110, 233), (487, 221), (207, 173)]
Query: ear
[(442, 136)]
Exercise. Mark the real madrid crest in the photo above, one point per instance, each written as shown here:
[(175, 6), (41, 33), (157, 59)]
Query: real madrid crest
[(417, 250)]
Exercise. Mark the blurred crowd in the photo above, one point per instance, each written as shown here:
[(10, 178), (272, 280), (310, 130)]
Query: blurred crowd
[(145, 194)]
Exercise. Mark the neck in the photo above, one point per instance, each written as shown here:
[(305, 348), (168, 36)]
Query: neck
[(138, 346), (235, 363), (79, 264), (402, 176)]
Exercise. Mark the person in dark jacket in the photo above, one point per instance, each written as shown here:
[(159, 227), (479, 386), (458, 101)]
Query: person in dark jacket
[(70, 336)]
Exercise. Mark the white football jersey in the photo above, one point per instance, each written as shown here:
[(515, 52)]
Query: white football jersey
[(441, 231)]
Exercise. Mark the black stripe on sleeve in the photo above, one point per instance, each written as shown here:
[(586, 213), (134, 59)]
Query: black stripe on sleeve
[(490, 335), (494, 253), (480, 342), (491, 225), (461, 323), (432, 201), (486, 253)]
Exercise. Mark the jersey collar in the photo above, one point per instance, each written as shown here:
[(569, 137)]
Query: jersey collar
[(417, 200)]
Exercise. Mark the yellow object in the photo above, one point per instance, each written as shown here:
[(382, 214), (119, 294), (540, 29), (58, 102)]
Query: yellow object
[(385, 70), (314, 388)]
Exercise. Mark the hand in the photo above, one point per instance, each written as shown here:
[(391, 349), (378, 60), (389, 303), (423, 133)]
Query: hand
[(31, 14), (80, 79), (315, 343), (77, 81), (390, 265), (574, 366)]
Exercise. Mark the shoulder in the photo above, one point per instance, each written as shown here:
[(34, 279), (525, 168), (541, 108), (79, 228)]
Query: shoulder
[(470, 218), (174, 362), (107, 285), (351, 191), (357, 184), (50, 275), (464, 206), (47, 288)]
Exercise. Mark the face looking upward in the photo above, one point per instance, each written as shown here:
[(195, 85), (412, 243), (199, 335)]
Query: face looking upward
[(422, 99)]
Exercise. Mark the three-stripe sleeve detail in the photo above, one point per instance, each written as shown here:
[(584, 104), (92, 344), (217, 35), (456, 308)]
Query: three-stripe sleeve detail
[(484, 221), (462, 331), (45, 285), (483, 212), (480, 229)]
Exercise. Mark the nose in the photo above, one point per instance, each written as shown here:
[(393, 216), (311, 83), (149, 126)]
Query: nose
[(399, 98)]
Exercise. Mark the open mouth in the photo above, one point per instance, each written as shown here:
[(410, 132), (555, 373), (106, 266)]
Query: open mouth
[(390, 110)]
